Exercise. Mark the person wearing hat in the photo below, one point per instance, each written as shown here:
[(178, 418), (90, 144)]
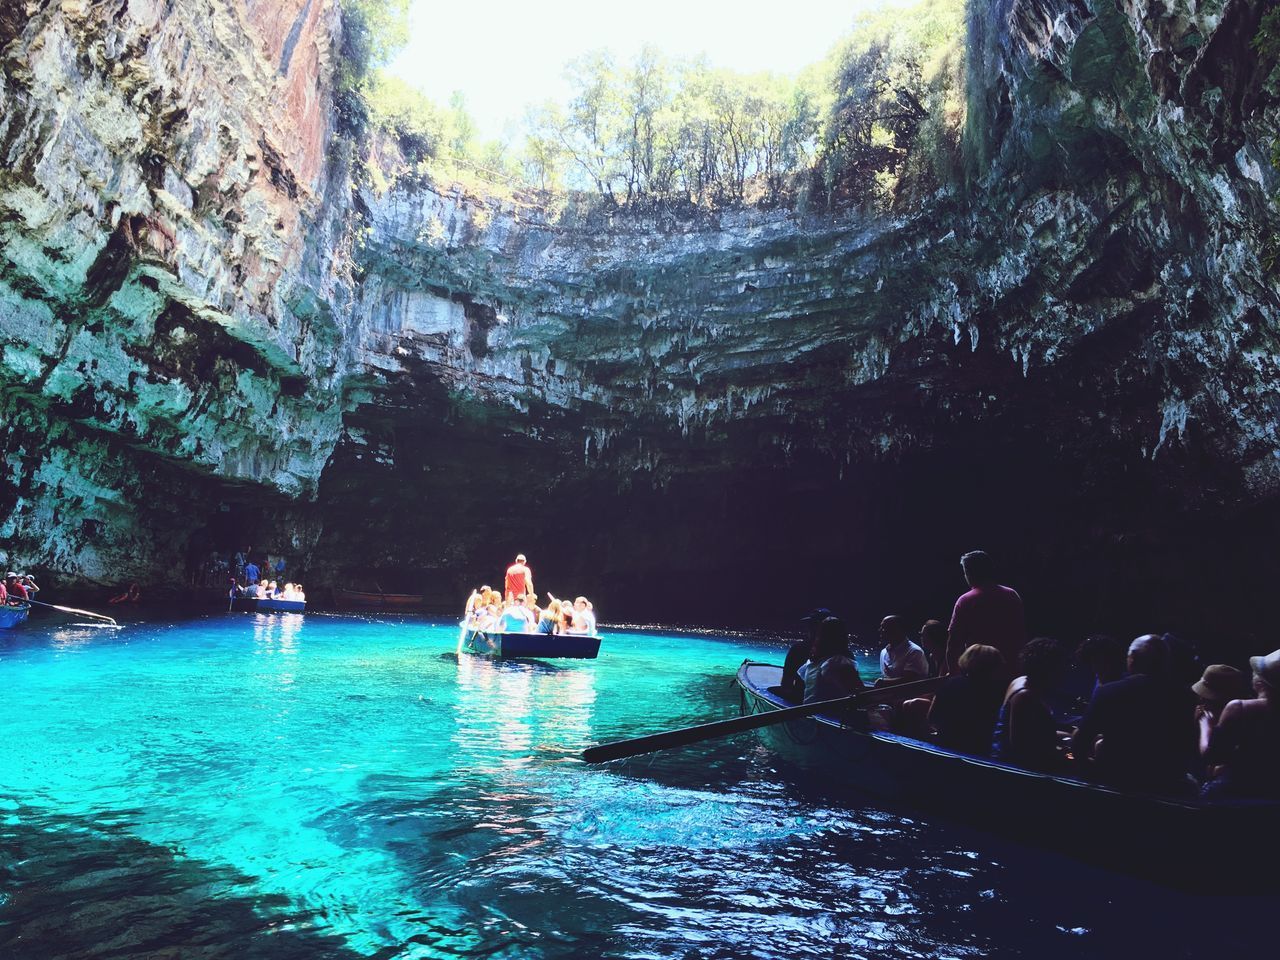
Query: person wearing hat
[(32, 588), (14, 586), (1244, 745), (1219, 685), (800, 653), (519, 579)]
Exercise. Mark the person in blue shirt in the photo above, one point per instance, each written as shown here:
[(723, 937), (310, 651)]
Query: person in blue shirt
[(251, 572)]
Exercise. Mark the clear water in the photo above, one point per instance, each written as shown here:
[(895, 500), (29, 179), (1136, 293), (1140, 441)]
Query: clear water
[(278, 786)]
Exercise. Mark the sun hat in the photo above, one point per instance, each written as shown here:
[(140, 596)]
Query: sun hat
[(1267, 669), (1221, 682)]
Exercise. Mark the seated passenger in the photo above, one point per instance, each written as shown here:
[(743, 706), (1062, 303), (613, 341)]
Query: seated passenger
[(32, 588), (298, 592), (1026, 734), (584, 613), (800, 653), (1245, 741), (549, 622), (14, 587), (1103, 656), (933, 640), (831, 672), (901, 661), (567, 624), (1139, 731), (513, 619), (1218, 686), (472, 602), (967, 704)]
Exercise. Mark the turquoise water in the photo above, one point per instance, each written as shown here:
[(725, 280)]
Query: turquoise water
[(280, 786)]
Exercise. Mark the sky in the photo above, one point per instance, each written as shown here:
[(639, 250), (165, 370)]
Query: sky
[(506, 55)]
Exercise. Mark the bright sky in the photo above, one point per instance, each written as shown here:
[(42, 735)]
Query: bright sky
[(506, 54)]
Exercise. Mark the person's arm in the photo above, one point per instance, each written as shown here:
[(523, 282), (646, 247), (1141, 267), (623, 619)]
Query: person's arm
[(528, 581), (1222, 738), (1086, 734)]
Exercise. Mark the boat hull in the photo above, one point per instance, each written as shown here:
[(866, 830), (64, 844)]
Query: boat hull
[(1181, 841), (12, 615), (361, 600), (256, 605), (530, 646)]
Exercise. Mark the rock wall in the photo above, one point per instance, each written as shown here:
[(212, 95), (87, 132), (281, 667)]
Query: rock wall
[(1071, 358)]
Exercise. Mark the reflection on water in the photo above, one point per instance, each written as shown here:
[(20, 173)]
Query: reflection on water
[(340, 786)]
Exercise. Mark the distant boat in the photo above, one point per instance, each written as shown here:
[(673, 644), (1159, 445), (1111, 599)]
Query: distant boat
[(530, 646), (267, 605), (13, 614), (363, 600)]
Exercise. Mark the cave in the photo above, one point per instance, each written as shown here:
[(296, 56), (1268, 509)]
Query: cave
[(269, 328)]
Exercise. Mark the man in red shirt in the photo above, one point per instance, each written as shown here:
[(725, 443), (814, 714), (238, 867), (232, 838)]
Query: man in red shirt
[(989, 613), (519, 579), (15, 588)]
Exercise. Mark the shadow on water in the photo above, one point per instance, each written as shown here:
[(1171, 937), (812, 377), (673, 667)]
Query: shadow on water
[(77, 888)]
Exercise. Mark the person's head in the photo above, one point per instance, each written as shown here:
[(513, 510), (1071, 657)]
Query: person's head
[(811, 621), (484, 590), (1266, 675), (933, 636), (1147, 655), (1103, 656), (1044, 662), (10, 577), (832, 640), (979, 569), (531, 600), (1219, 685), (520, 558), (893, 629), (566, 608), (982, 663), (580, 603)]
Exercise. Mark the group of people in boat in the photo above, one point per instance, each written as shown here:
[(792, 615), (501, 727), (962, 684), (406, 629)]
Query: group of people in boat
[(18, 588), (1155, 719), (516, 609), (267, 590)]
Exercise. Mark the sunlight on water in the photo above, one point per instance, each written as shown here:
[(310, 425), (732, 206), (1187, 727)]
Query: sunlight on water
[(344, 786)]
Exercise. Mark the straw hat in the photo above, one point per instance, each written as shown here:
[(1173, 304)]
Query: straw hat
[(1267, 669), (1221, 683)]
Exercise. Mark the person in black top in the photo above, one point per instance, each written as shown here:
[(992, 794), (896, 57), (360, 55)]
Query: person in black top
[(965, 707), (798, 654), (1138, 732)]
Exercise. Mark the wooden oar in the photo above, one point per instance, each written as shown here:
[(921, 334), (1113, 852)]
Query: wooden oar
[(82, 613), (604, 752)]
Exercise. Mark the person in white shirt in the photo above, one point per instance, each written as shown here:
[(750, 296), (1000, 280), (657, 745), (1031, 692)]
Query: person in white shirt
[(900, 660), (584, 614)]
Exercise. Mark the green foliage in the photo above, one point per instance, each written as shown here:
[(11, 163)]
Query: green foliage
[(892, 129)]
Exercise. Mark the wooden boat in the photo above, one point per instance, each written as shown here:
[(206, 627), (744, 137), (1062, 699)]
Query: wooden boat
[(363, 600), (267, 605), (530, 646), (12, 614), (1177, 840)]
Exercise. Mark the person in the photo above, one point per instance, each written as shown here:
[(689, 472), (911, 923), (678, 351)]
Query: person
[(549, 622), (4, 593), (30, 585), (477, 597), (514, 619), (532, 609), (251, 572), (280, 569), (1103, 656), (14, 587), (900, 660), (298, 591), (519, 578), (233, 588), (1026, 734), (1244, 743), (1218, 686), (831, 673), (988, 613), (798, 654), (1139, 731), (933, 640), (132, 594), (967, 704), (584, 612)]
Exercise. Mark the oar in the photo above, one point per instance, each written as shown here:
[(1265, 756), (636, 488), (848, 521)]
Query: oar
[(83, 613), (605, 752)]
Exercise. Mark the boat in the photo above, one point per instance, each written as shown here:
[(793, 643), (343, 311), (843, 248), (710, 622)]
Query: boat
[(268, 605), (12, 614), (1181, 841), (530, 646), (363, 600)]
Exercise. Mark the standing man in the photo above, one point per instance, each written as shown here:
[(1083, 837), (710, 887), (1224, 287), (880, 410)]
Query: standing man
[(251, 571), (989, 613), (519, 579)]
